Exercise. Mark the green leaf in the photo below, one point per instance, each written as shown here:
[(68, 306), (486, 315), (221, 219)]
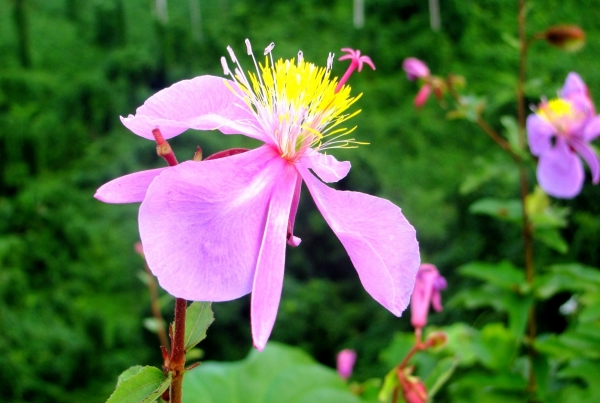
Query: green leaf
[(198, 318), (551, 238), (277, 374), (506, 210), (572, 277), (503, 274), (390, 382), (440, 375), (497, 346), (128, 373), (145, 386)]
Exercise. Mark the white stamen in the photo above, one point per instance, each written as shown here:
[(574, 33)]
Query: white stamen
[(330, 60), (269, 48), (231, 54), (248, 47), (300, 57), (226, 70)]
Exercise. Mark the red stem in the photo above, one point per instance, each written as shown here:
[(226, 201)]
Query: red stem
[(177, 359)]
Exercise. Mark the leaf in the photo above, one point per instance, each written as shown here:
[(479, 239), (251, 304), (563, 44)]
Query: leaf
[(128, 373), (572, 277), (277, 374), (497, 346), (506, 210), (552, 239), (198, 318), (390, 382), (503, 274), (143, 387), (440, 375)]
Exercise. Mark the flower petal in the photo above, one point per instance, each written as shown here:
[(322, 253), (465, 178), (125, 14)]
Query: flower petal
[(560, 171), (574, 85), (291, 239), (592, 129), (415, 68), (589, 156), (327, 167), (268, 278), (202, 224), (379, 240), (129, 188), (539, 134), (202, 103)]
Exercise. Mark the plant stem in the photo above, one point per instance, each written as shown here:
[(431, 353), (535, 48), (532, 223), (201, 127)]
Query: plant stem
[(527, 227), (177, 359), (155, 307)]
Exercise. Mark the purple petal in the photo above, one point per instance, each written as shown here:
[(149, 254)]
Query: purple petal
[(574, 85), (422, 294), (202, 224), (268, 278), (129, 188), (539, 134), (202, 103), (326, 166), (589, 156), (592, 130), (415, 68), (379, 240), (560, 171)]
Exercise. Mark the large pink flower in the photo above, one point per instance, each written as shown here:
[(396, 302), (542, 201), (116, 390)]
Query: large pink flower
[(216, 230)]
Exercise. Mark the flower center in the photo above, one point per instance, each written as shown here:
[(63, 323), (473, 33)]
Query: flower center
[(562, 114), (296, 104)]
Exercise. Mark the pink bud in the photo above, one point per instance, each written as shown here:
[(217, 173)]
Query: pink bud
[(427, 289), (415, 68), (139, 248), (345, 362), (413, 389), (422, 95)]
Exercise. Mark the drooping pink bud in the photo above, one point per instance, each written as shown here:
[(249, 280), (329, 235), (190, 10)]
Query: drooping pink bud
[(345, 363), (427, 289), (415, 68), (413, 389), (422, 95)]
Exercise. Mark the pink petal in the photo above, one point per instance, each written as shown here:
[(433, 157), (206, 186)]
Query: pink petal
[(574, 85), (560, 171), (268, 278), (592, 130), (294, 240), (422, 95), (379, 240), (539, 134), (129, 188), (202, 224), (589, 156), (202, 103), (415, 68), (326, 166)]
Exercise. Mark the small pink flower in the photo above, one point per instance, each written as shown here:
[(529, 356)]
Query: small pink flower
[(428, 285), (559, 134), (415, 68), (345, 363), (413, 389), (216, 230)]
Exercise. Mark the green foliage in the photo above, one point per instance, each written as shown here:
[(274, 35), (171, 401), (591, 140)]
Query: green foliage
[(140, 385), (198, 318), (278, 374)]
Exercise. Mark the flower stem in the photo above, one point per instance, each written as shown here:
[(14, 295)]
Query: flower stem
[(177, 359), (155, 306), (346, 76), (527, 227), (175, 363)]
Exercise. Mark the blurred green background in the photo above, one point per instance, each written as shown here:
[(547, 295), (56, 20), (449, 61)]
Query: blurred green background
[(71, 302)]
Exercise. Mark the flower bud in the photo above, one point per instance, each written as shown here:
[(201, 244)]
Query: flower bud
[(422, 95), (436, 339), (567, 37), (413, 389), (415, 68), (345, 363), (427, 289)]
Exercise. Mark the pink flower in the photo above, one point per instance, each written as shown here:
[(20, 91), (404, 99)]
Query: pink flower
[(428, 285), (216, 230), (345, 363), (413, 389), (414, 69), (559, 133)]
